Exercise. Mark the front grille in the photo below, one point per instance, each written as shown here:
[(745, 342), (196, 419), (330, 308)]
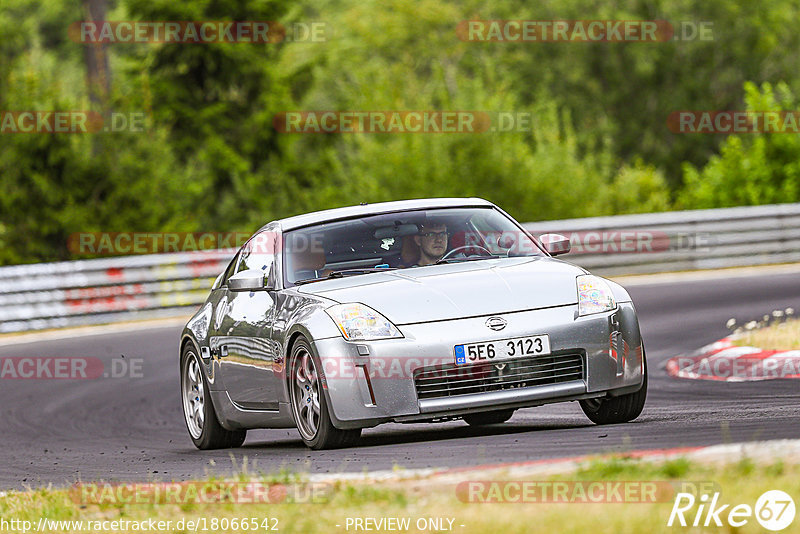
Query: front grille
[(450, 380)]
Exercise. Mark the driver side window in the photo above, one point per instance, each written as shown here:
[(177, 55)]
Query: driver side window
[(229, 271)]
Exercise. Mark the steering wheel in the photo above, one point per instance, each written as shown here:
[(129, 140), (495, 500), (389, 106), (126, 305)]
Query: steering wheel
[(465, 247)]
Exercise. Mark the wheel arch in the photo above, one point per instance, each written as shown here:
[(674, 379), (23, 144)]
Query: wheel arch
[(299, 330), (187, 339)]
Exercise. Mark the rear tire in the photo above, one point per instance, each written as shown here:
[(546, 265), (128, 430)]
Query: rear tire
[(309, 405), (488, 418), (622, 409), (198, 411)]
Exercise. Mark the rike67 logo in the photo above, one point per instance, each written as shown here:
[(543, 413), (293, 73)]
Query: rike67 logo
[(774, 510)]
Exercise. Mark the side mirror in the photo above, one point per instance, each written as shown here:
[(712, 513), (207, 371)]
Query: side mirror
[(249, 280), (555, 244)]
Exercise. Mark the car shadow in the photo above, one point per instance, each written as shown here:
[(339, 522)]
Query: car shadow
[(397, 435)]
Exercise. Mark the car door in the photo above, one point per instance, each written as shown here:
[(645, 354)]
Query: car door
[(242, 329)]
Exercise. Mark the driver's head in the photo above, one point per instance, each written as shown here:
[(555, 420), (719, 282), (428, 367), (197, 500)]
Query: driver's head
[(432, 242)]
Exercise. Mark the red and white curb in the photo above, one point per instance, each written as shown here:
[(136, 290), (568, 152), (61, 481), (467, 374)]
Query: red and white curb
[(727, 362)]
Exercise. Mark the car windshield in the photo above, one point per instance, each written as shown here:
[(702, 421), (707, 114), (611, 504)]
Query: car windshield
[(401, 240)]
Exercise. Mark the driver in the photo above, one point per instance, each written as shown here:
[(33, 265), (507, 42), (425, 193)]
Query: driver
[(432, 242)]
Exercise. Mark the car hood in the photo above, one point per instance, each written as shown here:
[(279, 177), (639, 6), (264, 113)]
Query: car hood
[(452, 291)]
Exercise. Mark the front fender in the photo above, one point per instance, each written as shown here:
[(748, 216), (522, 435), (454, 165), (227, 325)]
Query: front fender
[(301, 315), (620, 293), (196, 332), (311, 321)]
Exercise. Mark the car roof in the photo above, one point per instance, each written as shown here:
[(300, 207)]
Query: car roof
[(316, 217)]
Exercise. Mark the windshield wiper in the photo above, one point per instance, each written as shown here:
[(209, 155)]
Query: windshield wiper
[(361, 270), (307, 281), (346, 272), (464, 259)]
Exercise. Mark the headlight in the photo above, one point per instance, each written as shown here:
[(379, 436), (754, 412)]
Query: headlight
[(358, 322), (594, 295)]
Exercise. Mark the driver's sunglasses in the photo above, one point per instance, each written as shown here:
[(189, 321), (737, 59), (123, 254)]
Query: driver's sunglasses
[(431, 235)]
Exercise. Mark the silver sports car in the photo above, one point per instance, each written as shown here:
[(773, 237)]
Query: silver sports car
[(412, 311)]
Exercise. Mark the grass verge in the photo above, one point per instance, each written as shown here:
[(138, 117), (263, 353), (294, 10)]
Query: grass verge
[(782, 336), (423, 499)]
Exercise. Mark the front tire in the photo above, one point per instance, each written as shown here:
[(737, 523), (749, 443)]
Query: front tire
[(622, 409), (309, 406), (201, 420)]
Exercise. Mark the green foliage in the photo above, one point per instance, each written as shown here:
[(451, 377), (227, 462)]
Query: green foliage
[(751, 169), (537, 174), (625, 91), (638, 188), (57, 184), (210, 158)]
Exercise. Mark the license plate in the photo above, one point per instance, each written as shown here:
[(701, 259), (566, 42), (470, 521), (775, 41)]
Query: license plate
[(504, 349)]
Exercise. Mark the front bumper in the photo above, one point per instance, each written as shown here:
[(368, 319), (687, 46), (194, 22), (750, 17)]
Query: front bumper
[(368, 383)]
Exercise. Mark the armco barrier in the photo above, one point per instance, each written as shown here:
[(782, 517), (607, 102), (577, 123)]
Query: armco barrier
[(53, 295), (681, 240)]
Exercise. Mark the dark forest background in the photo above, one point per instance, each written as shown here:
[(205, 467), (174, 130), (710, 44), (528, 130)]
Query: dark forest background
[(211, 160)]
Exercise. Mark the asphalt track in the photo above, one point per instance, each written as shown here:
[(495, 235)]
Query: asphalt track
[(132, 429)]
